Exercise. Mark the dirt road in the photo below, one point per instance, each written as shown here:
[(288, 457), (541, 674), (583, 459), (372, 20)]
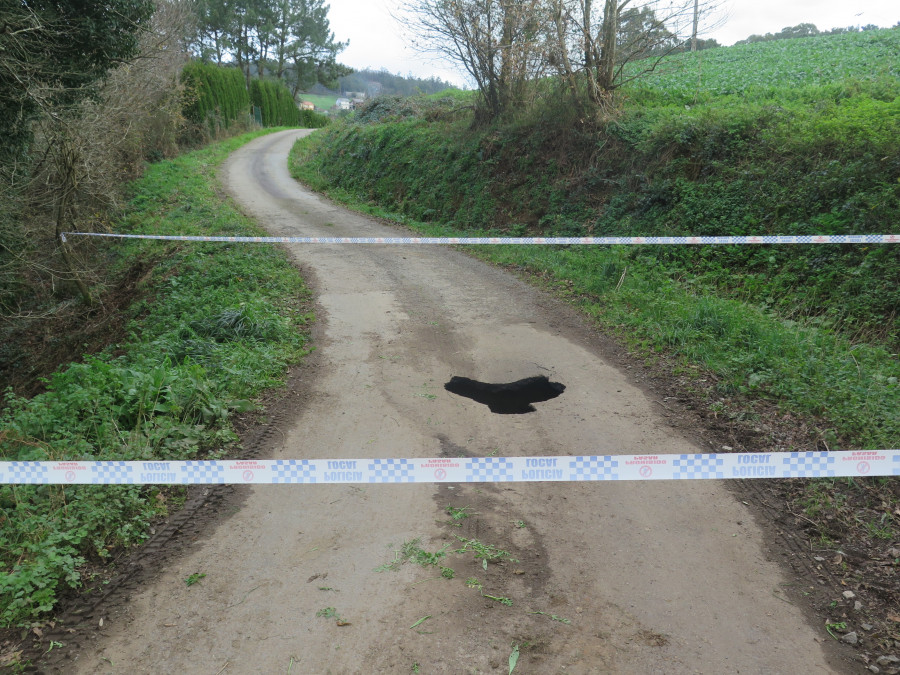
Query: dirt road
[(603, 578)]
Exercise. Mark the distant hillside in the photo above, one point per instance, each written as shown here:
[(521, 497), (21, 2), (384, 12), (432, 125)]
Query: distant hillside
[(383, 83), (803, 30)]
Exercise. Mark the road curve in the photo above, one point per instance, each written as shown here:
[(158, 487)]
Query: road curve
[(667, 577)]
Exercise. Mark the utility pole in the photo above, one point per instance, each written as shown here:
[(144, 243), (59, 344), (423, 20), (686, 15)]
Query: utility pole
[(696, 22)]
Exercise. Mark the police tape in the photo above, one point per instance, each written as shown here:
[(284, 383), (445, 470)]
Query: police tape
[(459, 470), (525, 241)]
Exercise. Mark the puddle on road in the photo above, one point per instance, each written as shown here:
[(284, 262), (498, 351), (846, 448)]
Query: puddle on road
[(513, 398)]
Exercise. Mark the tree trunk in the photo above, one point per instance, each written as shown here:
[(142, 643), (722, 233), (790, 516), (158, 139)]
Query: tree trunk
[(606, 69), (491, 58), (505, 51), (696, 23), (245, 59), (565, 65), (588, 36), (66, 187)]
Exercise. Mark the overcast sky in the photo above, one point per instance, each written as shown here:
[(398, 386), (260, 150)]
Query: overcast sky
[(376, 40)]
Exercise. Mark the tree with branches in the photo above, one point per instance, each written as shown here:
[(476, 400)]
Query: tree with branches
[(54, 52), (504, 44), (54, 56), (89, 110), (602, 49), (498, 43), (288, 39)]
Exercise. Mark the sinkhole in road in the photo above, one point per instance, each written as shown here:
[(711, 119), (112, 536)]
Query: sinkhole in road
[(512, 398)]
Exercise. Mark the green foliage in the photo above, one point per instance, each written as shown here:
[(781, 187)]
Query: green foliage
[(312, 120), (300, 45), (814, 328), (513, 658), (278, 106), (766, 68), (214, 330), (194, 578), (483, 552), (457, 514), (216, 95), (54, 53), (821, 159), (390, 84), (411, 551)]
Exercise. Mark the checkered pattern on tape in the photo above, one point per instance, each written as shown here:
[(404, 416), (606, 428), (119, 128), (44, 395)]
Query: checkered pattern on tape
[(489, 469), (27, 472), (896, 466), (593, 468), (293, 471), (753, 240), (202, 471), (391, 471), (697, 466), (113, 473), (808, 464)]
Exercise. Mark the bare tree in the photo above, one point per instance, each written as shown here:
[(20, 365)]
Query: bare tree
[(604, 49), (84, 150), (497, 42), (595, 46)]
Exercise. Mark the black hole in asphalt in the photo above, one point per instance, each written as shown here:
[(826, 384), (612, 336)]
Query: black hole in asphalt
[(514, 398)]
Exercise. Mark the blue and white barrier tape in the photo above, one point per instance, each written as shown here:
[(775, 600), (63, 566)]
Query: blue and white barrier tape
[(460, 470), (524, 241)]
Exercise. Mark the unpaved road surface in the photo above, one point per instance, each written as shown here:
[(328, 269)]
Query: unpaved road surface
[(665, 577)]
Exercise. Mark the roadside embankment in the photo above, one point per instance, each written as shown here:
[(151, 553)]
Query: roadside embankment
[(211, 326)]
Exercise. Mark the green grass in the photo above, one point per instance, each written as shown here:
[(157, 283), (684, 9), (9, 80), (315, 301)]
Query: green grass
[(762, 68), (457, 514), (483, 552), (194, 578), (322, 102), (411, 551), (218, 324)]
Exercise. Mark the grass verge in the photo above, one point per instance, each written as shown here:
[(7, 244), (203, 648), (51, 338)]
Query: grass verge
[(215, 325)]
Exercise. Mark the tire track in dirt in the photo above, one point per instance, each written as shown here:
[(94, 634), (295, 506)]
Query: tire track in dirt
[(204, 508)]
